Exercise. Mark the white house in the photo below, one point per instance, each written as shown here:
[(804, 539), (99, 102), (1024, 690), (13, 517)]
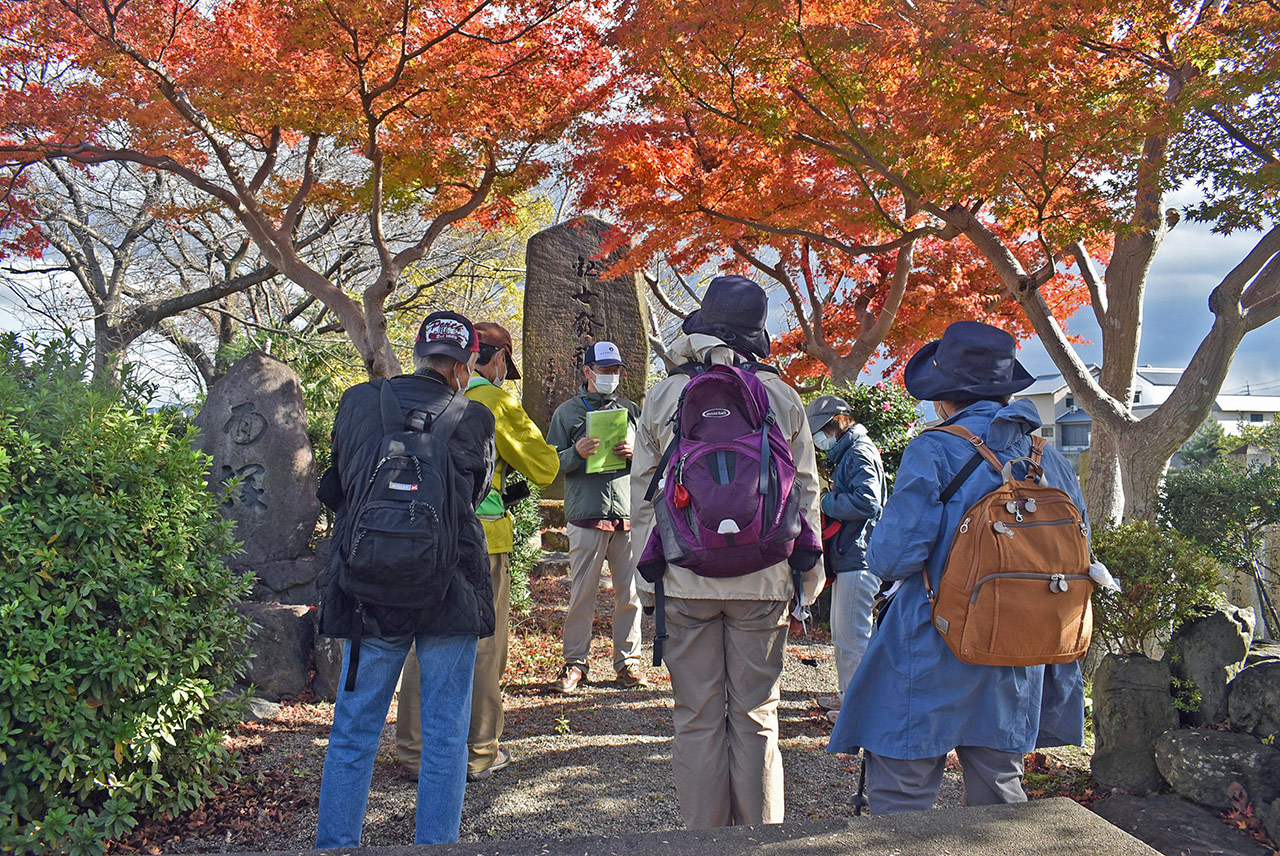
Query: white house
[(1068, 427)]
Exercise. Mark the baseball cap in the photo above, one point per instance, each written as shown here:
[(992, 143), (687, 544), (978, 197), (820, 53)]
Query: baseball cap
[(447, 333), (496, 336), (603, 354), (823, 409)]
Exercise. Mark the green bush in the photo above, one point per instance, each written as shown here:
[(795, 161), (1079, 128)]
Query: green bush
[(528, 548), (889, 414), (1166, 580), (119, 642)]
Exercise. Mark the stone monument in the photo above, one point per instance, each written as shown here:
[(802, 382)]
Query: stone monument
[(254, 426), (570, 302)]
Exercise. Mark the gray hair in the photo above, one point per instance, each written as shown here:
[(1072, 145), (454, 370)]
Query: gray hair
[(436, 362)]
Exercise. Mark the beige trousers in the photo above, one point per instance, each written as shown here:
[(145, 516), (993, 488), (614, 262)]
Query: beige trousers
[(588, 549), (486, 688), (725, 659)]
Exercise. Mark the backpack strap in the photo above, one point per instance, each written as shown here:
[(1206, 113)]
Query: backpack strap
[(659, 621), (662, 468), (765, 425), (442, 425), (960, 478), (392, 412), (450, 418), (965, 434)]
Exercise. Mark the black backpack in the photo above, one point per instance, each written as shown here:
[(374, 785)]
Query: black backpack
[(402, 536)]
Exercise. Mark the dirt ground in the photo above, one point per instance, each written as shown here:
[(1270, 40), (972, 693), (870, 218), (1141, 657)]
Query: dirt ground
[(598, 760)]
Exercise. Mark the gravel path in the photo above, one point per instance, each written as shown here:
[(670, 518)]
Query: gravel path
[(592, 762)]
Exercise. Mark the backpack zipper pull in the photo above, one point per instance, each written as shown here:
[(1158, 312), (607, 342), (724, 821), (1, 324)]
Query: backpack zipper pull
[(964, 527), (1001, 528)]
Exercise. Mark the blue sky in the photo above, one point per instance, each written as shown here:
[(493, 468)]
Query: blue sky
[(1190, 263)]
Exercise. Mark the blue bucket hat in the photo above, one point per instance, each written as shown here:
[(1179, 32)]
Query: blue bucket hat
[(734, 310), (971, 360)]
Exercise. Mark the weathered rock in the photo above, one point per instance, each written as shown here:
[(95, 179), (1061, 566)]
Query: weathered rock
[(1200, 764), (260, 708), (570, 304), (1254, 699), (1271, 821), (281, 642), (1208, 652), (1177, 827), (552, 511), (1262, 652), (551, 565), (290, 581), (254, 427), (555, 540), (328, 666), (1132, 707)]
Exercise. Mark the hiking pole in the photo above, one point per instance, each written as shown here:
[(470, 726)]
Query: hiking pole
[(860, 798)]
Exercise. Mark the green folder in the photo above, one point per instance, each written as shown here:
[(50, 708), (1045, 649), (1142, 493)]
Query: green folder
[(610, 428)]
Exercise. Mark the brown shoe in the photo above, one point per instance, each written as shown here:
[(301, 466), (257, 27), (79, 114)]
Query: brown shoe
[(631, 677), (571, 676)]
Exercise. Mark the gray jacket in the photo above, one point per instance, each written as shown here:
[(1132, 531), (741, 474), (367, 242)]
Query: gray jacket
[(589, 496)]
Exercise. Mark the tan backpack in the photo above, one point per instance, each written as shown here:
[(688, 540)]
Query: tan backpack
[(1015, 590)]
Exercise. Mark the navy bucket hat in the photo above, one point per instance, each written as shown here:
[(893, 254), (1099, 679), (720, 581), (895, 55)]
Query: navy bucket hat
[(971, 360), (734, 310)]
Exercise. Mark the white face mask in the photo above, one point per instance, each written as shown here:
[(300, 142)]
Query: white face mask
[(464, 382), (824, 442), (500, 379), (606, 383)]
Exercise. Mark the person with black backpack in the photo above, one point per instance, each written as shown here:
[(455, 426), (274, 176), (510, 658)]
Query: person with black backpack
[(412, 459), (724, 503)]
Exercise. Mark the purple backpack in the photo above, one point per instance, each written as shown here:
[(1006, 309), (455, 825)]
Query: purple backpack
[(725, 502)]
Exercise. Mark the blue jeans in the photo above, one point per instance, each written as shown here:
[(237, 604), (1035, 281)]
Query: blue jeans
[(851, 603), (447, 664)]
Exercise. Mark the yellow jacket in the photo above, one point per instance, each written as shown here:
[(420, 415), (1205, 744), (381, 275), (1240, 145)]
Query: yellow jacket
[(520, 447)]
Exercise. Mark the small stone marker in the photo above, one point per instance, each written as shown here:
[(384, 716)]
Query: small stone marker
[(254, 427), (569, 304)]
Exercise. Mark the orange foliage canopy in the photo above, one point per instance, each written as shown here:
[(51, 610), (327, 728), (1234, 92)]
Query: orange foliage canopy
[(857, 125), (417, 114)]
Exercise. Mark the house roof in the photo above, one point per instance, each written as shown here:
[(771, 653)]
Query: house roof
[(1047, 384), (1074, 416), (1248, 403), (1160, 377)]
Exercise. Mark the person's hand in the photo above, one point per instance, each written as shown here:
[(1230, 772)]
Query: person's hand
[(795, 629), (586, 447), (623, 450)]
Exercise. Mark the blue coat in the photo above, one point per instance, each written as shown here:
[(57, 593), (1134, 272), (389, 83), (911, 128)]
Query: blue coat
[(911, 697), (856, 498)]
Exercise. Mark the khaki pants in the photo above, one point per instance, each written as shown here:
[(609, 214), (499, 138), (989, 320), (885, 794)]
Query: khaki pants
[(588, 549), (725, 659), (486, 691)]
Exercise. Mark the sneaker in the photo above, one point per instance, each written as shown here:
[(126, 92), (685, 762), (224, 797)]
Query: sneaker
[(631, 677), (570, 678), (832, 716), (830, 702), (503, 761)]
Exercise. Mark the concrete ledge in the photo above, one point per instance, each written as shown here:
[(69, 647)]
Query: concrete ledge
[(1055, 827)]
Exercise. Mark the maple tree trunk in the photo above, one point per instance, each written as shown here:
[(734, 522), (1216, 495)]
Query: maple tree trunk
[(1142, 467), (844, 371), (1103, 490)]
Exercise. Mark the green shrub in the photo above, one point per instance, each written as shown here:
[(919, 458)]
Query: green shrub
[(528, 548), (1166, 581), (119, 642)]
